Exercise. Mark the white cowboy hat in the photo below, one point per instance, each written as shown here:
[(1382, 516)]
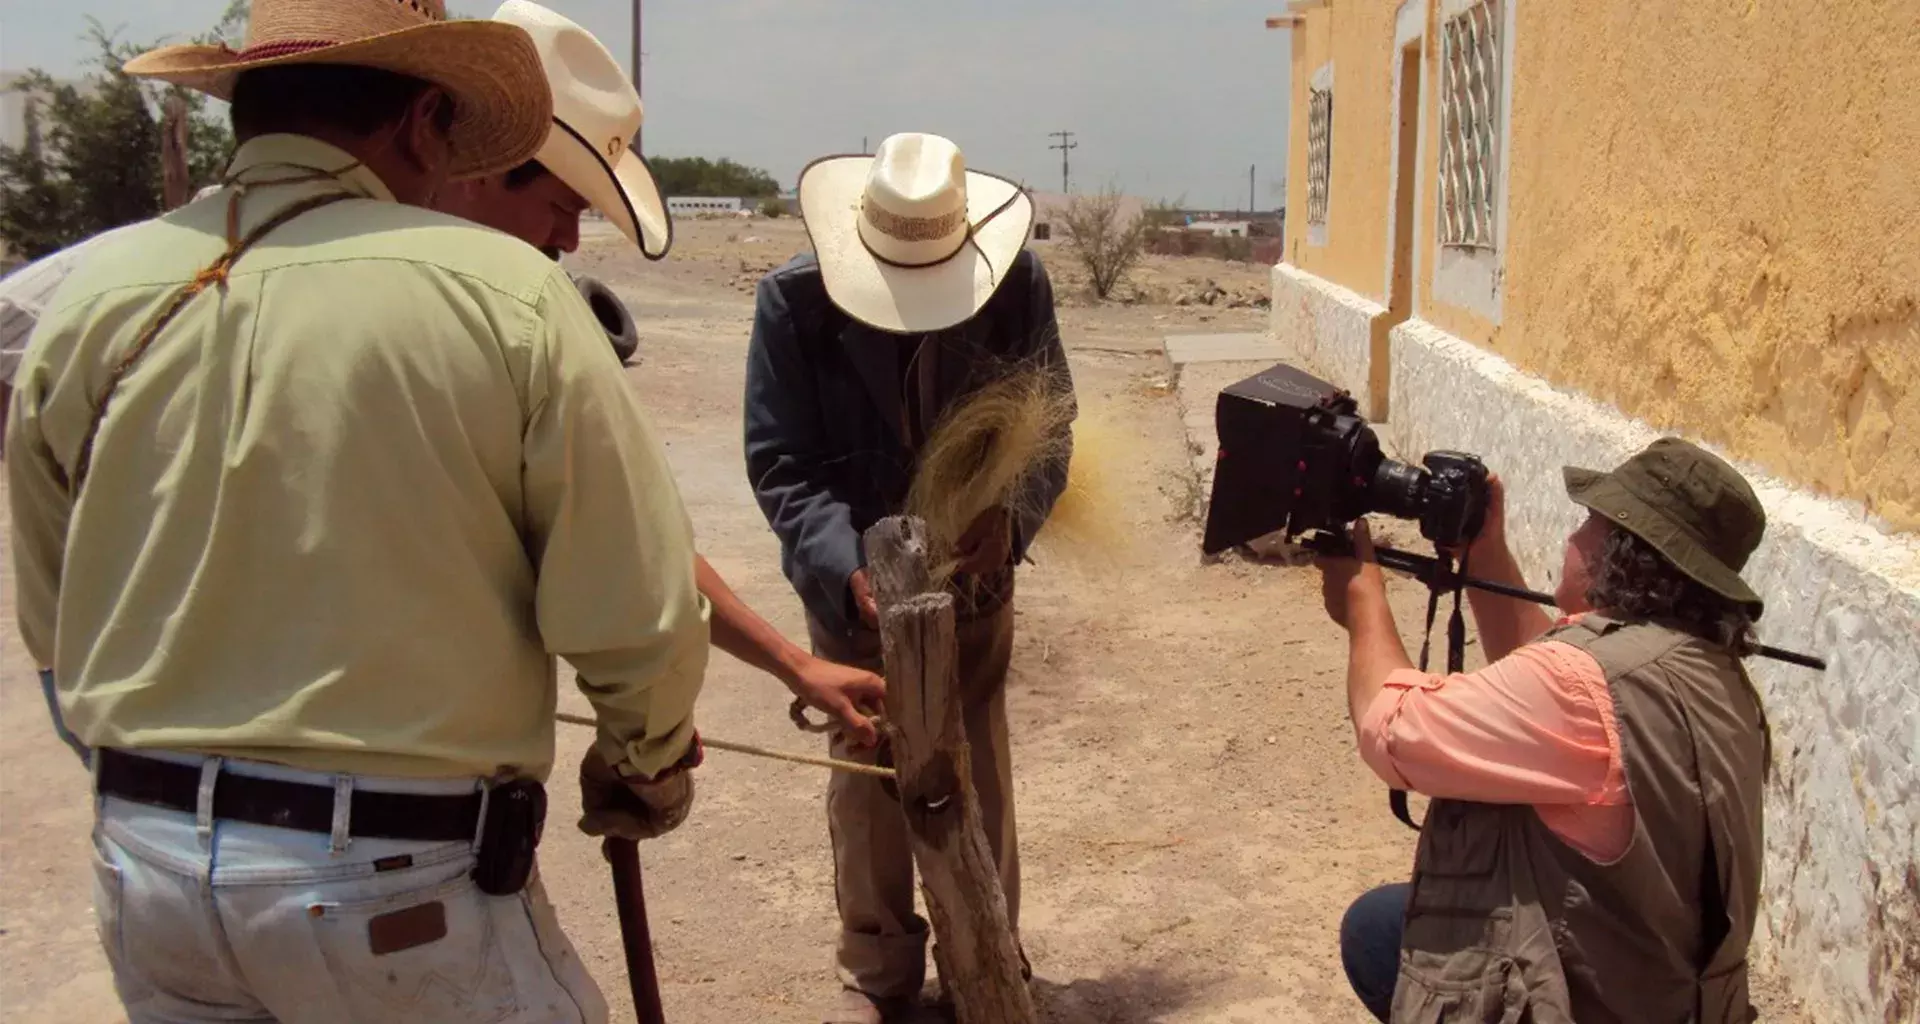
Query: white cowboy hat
[(908, 239), (500, 98), (595, 115)]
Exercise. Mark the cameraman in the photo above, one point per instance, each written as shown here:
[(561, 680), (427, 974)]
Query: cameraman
[(1592, 850)]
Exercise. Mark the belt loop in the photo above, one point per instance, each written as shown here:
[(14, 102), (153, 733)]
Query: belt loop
[(99, 798), (480, 822), (342, 836), (203, 804)]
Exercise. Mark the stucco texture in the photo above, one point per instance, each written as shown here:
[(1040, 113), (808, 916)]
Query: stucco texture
[(1714, 225), (1358, 38)]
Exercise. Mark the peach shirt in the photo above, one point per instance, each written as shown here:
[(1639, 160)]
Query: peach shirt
[(1536, 727)]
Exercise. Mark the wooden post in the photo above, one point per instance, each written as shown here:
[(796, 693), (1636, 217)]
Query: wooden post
[(930, 753), (175, 188)]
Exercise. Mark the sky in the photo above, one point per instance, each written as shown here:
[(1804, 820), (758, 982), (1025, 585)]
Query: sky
[(1168, 99)]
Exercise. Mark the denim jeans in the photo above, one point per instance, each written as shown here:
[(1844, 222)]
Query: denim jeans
[(1370, 945), (206, 920), (59, 721)]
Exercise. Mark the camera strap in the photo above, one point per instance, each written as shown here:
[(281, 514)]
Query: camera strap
[(1440, 580)]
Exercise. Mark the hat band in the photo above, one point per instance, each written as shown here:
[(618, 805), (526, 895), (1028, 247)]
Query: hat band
[(913, 229), (966, 238), (285, 48)]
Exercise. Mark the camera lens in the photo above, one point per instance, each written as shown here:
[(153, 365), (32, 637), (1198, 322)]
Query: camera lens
[(1399, 490)]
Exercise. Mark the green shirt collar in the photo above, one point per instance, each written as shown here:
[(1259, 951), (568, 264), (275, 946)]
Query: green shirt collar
[(271, 156)]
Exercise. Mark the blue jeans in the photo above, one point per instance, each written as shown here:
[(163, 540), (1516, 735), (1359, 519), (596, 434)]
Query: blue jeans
[(1370, 945), (206, 920), (59, 722)]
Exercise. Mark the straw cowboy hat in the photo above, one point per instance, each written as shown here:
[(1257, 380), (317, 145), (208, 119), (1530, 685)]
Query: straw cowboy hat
[(908, 239), (595, 115), (502, 107)]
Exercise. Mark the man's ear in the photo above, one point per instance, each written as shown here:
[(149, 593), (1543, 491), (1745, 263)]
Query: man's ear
[(424, 136)]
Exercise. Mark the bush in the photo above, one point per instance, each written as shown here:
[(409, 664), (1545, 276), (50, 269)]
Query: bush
[(773, 209), (1102, 240), (92, 157), (699, 176)]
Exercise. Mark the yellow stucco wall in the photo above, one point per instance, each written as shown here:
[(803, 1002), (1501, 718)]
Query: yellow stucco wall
[(1357, 35), (1714, 225)]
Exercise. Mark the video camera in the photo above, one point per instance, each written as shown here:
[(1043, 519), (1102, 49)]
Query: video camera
[(612, 314), (1296, 455)]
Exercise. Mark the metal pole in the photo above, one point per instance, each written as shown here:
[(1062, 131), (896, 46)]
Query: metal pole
[(1066, 143), (636, 69), (1250, 168)]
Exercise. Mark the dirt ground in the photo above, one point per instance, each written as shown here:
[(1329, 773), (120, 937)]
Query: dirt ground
[(1194, 818)]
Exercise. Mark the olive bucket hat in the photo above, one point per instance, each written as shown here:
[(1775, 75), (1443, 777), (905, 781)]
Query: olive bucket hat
[(1689, 504)]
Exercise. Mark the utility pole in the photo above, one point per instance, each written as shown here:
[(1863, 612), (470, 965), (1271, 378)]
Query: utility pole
[(636, 70), (1066, 143), (1250, 168)]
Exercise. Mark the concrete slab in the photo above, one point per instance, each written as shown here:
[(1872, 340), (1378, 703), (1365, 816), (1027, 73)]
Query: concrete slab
[(1197, 386), (1183, 349)]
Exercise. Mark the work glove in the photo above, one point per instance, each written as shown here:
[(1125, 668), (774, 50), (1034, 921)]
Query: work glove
[(636, 807)]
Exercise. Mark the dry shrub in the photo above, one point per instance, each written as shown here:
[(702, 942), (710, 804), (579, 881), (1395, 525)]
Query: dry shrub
[(1104, 241), (983, 452)]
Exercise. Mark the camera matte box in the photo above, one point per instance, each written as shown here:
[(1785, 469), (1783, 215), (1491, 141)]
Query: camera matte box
[(1257, 478)]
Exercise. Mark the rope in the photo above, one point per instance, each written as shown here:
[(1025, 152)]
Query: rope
[(854, 767), (215, 273)]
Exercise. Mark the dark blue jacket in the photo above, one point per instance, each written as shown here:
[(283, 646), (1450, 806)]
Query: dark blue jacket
[(825, 451)]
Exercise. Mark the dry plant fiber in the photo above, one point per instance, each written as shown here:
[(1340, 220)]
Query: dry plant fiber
[(985, 449)]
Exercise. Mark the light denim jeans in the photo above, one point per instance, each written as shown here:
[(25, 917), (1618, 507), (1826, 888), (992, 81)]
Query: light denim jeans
[(207, 920)]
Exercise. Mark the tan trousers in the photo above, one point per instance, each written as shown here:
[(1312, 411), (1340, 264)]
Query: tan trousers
[(883, 943)]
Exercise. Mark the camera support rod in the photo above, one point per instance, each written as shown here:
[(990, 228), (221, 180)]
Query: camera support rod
[(1426, 568)]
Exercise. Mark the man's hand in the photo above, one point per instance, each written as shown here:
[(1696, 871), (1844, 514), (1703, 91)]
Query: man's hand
[(843, 692), (632, 808), (1493, 530), (1346, 580), (863, 598), (987, 543)]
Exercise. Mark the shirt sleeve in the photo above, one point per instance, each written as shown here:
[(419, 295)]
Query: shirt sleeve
[(41, 512), (791, 466), (611, 541), (1536, 727), (24, 295)]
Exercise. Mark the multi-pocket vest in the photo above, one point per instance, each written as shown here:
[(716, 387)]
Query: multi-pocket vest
[(1506, 923)]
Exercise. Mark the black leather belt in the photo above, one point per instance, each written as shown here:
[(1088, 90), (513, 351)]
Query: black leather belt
[(299, 806)]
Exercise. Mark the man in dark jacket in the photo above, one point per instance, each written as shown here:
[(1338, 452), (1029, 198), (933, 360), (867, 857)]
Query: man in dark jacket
[(919, 294)]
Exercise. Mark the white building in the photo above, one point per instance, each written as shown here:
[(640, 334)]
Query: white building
[(693, 206)]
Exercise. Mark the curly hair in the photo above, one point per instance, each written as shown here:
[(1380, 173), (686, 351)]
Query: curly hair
[(1635, 581)]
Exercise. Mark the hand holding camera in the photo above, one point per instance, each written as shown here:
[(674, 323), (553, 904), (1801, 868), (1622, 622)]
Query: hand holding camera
[(1348, 579)]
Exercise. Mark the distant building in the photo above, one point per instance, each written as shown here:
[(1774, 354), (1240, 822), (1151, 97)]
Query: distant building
[(693, 206), (13, 108), (1222, 228)]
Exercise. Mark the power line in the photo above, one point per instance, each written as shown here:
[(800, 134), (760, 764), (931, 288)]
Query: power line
[(636, 69), (1066, 143)]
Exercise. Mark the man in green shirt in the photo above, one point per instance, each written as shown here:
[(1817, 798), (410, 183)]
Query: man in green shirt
[(310, 486)]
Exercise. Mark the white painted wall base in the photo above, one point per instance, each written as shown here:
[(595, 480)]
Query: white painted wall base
[(1327, 325), (1842, 884)]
